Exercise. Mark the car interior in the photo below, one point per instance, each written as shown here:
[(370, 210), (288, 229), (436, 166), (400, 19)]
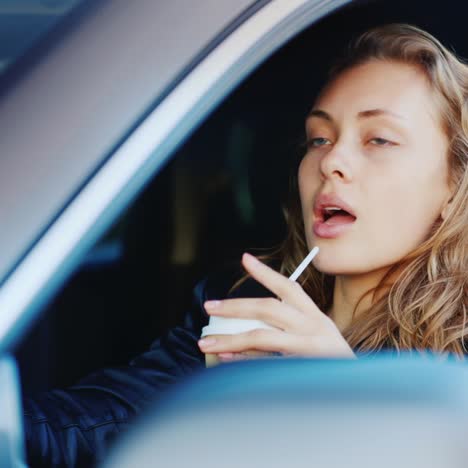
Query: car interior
[(222, 193)]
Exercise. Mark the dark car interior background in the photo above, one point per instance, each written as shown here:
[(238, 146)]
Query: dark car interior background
[(221, 193)]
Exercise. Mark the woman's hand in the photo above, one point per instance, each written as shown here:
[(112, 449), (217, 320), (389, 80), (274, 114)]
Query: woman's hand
[(302, 329)]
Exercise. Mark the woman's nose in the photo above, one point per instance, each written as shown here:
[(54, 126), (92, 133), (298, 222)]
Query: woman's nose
[(336, 164)]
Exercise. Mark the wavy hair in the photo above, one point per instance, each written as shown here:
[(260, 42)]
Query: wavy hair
[(425, 308)]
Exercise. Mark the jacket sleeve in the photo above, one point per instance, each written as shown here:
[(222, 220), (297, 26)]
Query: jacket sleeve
[(75, 427)]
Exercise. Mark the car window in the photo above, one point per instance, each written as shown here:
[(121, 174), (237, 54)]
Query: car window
[(208, 204), (211, 201)]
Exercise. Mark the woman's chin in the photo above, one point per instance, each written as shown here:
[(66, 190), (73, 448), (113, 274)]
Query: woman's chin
[(340, 258), (348, 266), (335, 267)]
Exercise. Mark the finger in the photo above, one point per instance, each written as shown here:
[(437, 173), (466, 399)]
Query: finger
[(276, 341), (267, 309), (287, 290), (228, 357), (258, 339)]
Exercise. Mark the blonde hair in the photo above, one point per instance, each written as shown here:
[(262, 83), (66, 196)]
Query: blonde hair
[(425, 308)]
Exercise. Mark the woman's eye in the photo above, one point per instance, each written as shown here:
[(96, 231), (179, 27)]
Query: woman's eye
[(317, 142), (381, 142)]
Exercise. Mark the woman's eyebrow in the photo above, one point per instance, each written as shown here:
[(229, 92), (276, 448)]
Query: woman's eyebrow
[(320, 114), (377, 113)]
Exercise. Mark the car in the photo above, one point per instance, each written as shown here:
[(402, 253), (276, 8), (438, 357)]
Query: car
[(143, 145)]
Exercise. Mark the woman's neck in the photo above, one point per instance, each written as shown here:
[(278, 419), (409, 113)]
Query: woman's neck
[(348, 291)]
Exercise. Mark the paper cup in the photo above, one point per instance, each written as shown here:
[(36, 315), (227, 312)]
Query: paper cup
[(229, 326)]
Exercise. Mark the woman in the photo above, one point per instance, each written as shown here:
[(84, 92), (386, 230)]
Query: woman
[(382, 189)]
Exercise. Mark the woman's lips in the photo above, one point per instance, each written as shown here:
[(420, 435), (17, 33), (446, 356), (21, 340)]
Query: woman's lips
[(333, 227)]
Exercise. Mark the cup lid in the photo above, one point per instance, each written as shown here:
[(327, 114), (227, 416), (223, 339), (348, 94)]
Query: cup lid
[(231, 326)]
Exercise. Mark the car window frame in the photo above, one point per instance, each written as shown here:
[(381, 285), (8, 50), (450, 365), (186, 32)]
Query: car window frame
[(136, 161)]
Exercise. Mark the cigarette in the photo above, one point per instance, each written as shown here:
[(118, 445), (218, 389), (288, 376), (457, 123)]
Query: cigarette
[(304, 264)]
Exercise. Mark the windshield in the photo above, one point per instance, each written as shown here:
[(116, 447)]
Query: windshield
[(24, 22)]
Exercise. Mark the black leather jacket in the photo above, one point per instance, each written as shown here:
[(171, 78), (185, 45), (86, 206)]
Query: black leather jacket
[(76, 426)]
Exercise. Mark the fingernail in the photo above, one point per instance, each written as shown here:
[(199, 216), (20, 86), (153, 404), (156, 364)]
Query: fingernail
[(206, 342), (250, 258), (212, 304)]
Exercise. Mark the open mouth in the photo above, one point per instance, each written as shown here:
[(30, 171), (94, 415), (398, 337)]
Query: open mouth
[(333, 216), (336, 215)]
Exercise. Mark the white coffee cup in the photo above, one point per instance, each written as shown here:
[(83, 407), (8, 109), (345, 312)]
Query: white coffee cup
[(231, 326)]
